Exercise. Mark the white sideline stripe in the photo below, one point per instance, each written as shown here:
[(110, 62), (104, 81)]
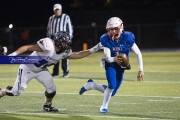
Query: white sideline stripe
[(75, 79), (163, 71), (96, 116), (175, 97), (161, 112), (131, 71), (161, 100), (127, 103), (88, 106)]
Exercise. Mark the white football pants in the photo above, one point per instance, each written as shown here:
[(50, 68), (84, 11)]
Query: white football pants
[(24, 75)]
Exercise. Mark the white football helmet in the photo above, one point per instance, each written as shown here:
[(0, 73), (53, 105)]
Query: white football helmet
[(115, 22)]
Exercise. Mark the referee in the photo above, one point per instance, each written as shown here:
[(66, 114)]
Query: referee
[(59, 22)]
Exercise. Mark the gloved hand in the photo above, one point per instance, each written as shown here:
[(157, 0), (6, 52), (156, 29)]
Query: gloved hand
[(96, 48), (3, 50)]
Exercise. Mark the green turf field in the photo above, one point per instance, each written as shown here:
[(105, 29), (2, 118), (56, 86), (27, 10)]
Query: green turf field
[(157, 97)]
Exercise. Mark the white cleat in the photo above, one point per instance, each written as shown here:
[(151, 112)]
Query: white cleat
[(103, 110)]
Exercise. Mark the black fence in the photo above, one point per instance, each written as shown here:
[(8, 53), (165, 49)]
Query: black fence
[(148, 36)]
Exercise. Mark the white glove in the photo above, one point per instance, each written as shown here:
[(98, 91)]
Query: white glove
[(5, 50), (96, 48), (13, 54)]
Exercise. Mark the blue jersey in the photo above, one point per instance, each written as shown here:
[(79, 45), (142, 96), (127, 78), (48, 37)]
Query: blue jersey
[(123, 45)]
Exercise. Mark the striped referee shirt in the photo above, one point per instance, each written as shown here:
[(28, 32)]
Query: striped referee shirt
[(60, 23)]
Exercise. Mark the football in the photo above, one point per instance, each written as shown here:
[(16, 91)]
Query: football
[(125, 59)]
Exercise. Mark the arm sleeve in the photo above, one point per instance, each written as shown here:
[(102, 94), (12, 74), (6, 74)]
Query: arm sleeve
[(136, 50), (107, 53)]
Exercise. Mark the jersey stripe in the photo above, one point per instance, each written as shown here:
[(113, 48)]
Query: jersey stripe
[(61, 23), (19, 78)]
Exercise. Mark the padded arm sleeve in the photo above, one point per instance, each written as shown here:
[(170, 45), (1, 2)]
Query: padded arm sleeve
[(136, 50), (107, 53)]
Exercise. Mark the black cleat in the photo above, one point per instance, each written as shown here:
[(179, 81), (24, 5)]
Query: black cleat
[(49, 108), (66, 75), (55, 75)]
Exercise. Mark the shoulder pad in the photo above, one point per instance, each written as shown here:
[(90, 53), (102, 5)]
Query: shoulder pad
[(45, 44)]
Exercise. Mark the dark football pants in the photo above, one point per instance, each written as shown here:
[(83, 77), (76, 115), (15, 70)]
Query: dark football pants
[(64, 66)]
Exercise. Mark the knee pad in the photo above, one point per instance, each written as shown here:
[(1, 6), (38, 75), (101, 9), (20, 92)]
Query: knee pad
[(50, 95)]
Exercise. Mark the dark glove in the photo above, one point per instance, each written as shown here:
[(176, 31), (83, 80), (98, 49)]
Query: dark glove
[(128, 67)]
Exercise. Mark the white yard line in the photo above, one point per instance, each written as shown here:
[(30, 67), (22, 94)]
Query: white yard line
[(160, 112), (127, 103), (89, 106), (76, 79), (161, 100), (131, 71), (174, 97), (83, 115)]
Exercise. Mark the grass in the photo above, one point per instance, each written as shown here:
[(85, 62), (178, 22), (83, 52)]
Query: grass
[(157, 97)]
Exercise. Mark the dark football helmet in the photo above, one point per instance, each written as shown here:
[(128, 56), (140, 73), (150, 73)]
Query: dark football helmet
[(62, 40)]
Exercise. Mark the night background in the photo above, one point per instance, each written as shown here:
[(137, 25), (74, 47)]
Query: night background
[(155, 23)]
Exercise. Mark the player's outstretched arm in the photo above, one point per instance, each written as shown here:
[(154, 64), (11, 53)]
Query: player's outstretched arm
[(140, 75), (80, 54), (26, 48), (85, 53)]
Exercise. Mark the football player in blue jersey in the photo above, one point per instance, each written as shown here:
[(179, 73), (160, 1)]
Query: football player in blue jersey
[(115, 41)]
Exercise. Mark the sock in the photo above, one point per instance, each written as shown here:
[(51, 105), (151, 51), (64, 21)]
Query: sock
[(89, 86), (100, 88), (107, 97), (47, 103), (93, 85)]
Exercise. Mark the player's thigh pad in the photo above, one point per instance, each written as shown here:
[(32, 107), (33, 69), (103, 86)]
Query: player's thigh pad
[(45, 78)]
